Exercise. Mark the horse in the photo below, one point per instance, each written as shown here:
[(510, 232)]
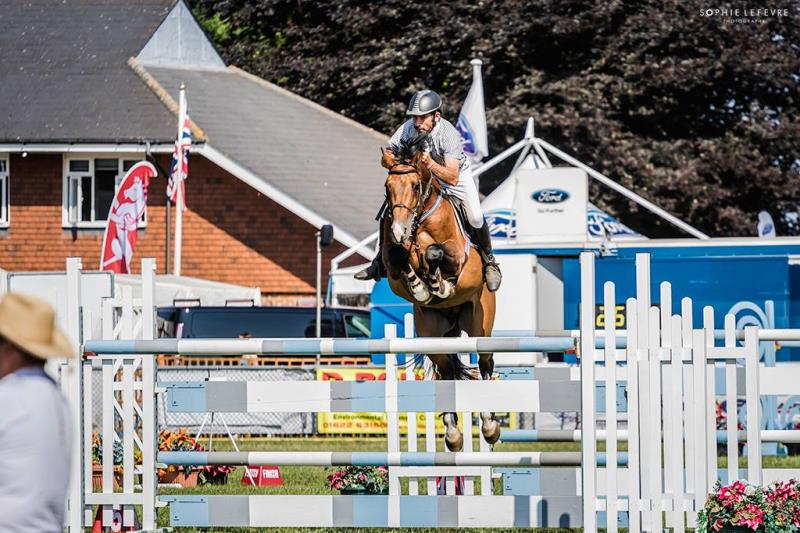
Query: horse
[(430, 263)]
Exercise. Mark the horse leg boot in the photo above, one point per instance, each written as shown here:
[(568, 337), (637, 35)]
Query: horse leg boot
[(491, 272), (490, 427)]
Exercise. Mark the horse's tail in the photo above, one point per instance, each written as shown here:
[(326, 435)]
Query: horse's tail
[(460, 370)]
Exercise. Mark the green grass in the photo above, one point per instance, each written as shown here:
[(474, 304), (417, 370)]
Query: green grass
[(312, 480)]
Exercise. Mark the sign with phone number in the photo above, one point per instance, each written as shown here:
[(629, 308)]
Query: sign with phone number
[(375, 423)]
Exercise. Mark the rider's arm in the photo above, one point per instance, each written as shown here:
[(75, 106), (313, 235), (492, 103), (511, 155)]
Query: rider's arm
[(447, 172)]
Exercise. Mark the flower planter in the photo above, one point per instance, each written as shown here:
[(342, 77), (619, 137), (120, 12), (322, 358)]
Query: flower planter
[(184, 479), (355, 492), (97, 479), (218, 480)]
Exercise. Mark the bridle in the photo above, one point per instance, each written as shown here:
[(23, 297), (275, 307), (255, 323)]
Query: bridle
[(423, 193)]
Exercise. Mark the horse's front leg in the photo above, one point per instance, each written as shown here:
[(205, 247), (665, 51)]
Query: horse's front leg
[(441, 287), (399, 259), (490, 428)]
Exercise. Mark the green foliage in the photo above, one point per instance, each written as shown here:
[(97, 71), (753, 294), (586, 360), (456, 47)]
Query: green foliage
[(219, 30), (695, 113)]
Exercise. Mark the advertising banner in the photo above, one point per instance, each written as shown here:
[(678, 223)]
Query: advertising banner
[(375, 423)]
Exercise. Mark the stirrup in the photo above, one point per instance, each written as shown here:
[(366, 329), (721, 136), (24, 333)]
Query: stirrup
[(372, 272)]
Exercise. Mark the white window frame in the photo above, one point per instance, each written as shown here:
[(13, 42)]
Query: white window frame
[(68, 190), (5, 191)]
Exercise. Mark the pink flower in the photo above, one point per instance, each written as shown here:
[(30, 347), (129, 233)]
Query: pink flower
[(751, 516), (718, 524)]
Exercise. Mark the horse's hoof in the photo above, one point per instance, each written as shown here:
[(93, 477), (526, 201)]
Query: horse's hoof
[(491, 432), (421, 294), (454, 441), (446, 290)]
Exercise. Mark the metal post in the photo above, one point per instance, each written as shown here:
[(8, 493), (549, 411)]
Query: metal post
[(169, 231), (319, 294), (180, 200)]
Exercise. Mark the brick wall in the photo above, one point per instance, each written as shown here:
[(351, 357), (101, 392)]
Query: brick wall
[(231, 232)]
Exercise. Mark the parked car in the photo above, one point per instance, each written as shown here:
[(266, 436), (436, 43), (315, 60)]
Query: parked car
[(261, 322)]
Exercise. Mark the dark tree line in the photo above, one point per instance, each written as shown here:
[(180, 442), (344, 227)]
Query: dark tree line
[(698, 113)]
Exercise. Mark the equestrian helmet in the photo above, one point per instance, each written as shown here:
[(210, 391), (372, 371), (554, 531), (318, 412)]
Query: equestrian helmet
[(424, 102)]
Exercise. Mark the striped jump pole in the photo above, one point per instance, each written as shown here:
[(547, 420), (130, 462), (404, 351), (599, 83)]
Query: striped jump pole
[(431, 345), (328, 459), (791, 436)]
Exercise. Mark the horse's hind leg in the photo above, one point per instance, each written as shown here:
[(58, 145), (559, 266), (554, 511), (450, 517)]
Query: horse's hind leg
[(453, 438), (490, 428), (433, 323)]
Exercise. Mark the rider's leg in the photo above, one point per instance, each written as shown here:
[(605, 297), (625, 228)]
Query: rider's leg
[(472, 207), (375, 270)]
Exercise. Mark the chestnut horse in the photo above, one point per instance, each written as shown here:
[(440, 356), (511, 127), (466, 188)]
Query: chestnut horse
[(430, 263)]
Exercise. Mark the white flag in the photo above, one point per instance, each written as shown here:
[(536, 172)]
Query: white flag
[(766, 228), (472, 120)]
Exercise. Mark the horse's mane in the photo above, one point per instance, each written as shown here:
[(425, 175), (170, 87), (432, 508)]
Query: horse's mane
[(411, 149)]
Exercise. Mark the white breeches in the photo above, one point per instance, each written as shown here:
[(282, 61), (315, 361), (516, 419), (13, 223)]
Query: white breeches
[(466, 193)]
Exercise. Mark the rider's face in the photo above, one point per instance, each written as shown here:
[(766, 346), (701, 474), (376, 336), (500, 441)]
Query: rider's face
[(424, 123)]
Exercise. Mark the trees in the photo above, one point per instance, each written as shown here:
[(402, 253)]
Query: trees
[(697, 113)]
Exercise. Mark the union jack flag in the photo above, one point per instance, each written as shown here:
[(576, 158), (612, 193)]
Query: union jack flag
[(180, 152)]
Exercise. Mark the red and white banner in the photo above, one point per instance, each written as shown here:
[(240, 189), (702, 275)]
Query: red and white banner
[(126, 212)]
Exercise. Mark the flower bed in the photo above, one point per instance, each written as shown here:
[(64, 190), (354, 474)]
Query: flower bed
[(189, 476), (741, 507), (360, 480), (97, 462)]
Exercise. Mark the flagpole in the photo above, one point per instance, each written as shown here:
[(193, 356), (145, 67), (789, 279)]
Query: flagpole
[(179, 184)]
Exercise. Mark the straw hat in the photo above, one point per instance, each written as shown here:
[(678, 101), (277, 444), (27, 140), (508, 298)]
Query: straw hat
[(29, 323)]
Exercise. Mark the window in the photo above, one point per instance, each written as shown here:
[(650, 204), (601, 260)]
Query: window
[(90, 185), (357, 325), (4, 203)]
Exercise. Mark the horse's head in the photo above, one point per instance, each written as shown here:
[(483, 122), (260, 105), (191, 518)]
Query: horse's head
[(406, 186)]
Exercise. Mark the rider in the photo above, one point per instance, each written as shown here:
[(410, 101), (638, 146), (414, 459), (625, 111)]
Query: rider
[(446, 160)]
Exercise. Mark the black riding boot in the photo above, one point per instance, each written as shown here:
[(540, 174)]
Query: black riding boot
[(491, 272), (376, 270)]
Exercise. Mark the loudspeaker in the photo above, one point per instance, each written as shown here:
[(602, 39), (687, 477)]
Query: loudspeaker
[(326, 235)]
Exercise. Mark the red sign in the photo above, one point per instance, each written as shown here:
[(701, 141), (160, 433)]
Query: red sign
[(262, 476), (123, 218)]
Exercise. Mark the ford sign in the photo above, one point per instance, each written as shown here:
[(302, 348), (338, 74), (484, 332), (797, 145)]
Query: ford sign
[(550, 196)]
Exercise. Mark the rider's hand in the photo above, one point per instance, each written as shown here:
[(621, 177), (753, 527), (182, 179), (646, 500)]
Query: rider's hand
[(426, 160)]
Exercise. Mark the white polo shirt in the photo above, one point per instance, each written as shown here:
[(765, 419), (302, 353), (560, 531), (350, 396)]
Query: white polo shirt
[(35, 444)]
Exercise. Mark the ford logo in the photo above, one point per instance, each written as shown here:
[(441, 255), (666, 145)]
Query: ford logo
[(550, 196)]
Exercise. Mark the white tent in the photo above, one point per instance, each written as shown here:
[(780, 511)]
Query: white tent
[(500, 210)]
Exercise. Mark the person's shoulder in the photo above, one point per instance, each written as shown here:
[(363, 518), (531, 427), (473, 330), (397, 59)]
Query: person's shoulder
[(447, 125)]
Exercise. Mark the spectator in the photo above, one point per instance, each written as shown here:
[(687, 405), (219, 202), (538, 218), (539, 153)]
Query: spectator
[(35, 422)]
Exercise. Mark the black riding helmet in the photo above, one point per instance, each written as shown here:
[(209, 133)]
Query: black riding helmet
[(424, 102)]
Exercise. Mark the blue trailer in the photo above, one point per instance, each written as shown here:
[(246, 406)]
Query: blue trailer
[(756, 279)]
